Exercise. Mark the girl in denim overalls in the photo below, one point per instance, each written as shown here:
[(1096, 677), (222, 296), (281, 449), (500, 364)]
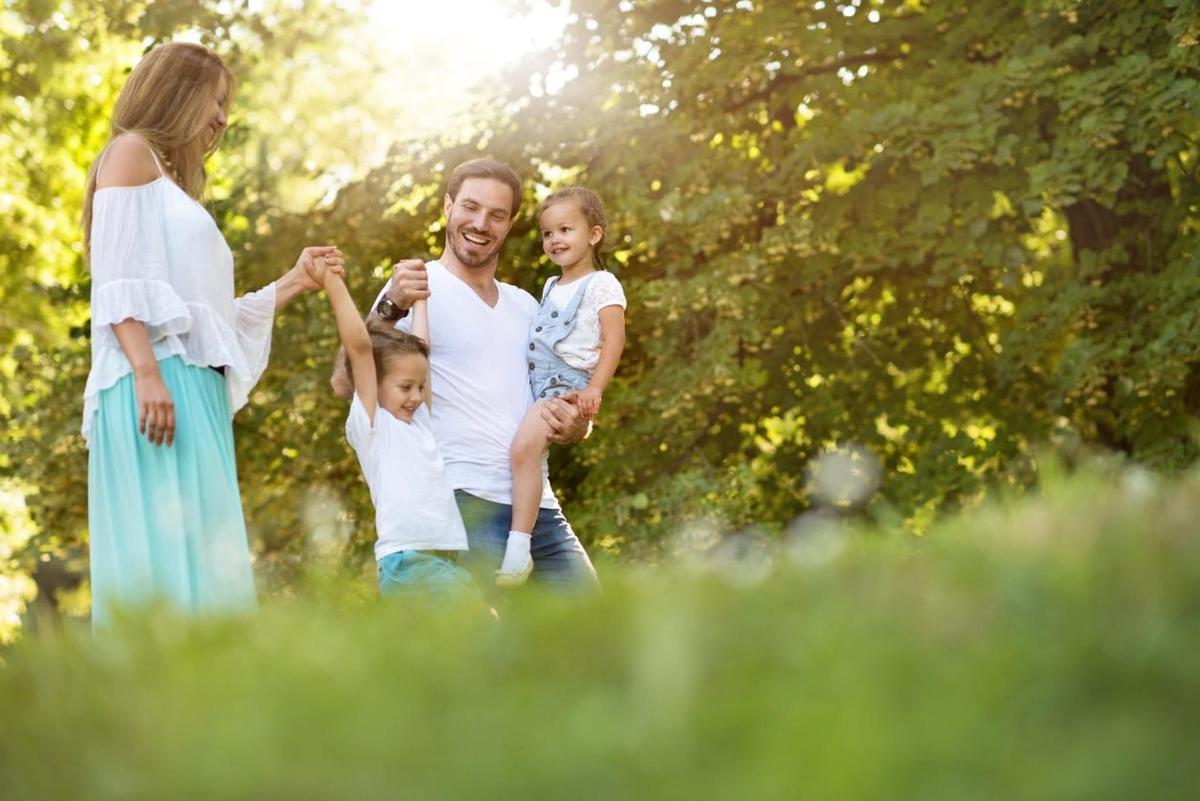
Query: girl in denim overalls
[(575, 343)]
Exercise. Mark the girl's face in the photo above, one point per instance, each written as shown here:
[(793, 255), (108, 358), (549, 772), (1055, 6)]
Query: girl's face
[(566, 236), (218, 114), (402, 385)]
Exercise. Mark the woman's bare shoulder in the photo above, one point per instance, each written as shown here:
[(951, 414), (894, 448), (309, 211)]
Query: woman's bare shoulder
[(127, 161)]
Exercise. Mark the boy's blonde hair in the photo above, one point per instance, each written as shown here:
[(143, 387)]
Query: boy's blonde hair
[(386, 343)]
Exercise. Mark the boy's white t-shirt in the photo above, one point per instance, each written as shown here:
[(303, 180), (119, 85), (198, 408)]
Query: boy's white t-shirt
[(479, 366), (414, 504), (580, 348)]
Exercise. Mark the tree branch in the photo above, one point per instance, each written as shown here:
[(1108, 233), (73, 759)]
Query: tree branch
[(784, 80)]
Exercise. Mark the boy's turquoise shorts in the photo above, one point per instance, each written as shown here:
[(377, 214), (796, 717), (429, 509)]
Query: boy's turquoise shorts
[(421, 572)]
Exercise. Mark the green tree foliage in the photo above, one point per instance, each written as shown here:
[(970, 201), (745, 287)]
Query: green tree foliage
[(944, 230), (882, 226), (61, 67), (947, 231)]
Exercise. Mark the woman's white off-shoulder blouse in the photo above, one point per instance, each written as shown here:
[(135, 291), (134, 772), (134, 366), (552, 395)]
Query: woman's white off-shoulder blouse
[(157, 256)]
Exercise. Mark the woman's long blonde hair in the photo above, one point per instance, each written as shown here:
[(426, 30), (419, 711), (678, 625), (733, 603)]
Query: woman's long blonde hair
[(167, 101)]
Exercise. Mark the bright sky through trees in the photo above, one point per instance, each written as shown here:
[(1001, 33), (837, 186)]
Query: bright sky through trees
[(444, 49)]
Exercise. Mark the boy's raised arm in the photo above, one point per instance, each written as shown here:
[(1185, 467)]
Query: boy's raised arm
[(420, 323), (420, 329), (353, 333), (340, 381)]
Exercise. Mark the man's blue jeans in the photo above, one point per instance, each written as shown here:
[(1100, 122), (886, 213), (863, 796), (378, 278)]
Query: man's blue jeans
[(559, 560)]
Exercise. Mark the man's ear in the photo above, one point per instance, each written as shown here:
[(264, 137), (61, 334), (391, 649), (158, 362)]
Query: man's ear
[(447, 202)]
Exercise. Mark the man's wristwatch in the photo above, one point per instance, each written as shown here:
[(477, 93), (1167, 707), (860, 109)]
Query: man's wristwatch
[(389, 311)]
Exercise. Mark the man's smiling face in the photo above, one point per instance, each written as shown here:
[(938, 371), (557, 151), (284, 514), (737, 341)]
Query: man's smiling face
[(478, 220)]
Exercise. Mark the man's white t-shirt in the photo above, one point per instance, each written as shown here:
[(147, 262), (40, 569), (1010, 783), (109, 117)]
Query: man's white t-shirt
[(479, 365), (414, 504)]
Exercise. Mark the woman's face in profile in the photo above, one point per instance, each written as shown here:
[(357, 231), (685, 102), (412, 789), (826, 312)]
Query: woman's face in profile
[(218, 114)]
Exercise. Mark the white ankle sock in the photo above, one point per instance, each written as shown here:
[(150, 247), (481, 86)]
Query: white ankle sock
[(517, 560)]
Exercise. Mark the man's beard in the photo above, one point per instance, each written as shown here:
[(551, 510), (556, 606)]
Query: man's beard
[(466, 258)]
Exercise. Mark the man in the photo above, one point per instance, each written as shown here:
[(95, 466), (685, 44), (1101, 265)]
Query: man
[(479, 337)]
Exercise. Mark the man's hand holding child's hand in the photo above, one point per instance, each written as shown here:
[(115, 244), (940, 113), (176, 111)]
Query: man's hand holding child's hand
[(409, 284)]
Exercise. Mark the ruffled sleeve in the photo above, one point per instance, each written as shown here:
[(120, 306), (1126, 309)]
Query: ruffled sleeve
[(255, 315), (129, 262)]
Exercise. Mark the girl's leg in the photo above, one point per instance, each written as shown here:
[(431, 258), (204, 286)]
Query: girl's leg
[(529, 443)]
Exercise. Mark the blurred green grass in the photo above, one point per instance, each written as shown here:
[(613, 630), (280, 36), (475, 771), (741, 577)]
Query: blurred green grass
[(1043, 647)]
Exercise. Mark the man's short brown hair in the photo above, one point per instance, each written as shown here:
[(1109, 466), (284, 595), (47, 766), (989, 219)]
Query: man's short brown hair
[(486, 168)]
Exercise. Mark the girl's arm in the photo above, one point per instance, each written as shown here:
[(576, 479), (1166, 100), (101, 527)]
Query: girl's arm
[(612, 342), (156, 407), (353, 334), (420, 329)]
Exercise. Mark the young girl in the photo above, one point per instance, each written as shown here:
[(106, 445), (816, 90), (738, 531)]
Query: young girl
[(417, 523), (575, 343), (174, 353)]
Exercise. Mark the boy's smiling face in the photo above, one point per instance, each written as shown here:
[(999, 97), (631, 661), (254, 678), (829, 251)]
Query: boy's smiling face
[(402, 385)]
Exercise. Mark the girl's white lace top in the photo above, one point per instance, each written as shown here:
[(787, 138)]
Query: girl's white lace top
[(580, 348), (157, 256)]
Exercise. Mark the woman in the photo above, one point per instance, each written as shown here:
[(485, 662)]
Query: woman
[(174, 354)]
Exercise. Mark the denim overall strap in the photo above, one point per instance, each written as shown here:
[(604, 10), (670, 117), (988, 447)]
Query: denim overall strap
[(549, 375), (576, 301), (553, 282)]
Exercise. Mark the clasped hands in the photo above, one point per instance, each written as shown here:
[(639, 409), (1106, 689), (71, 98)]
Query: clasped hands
[(316, 263)]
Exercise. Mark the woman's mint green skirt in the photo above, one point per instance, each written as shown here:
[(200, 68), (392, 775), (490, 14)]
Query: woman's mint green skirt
[(166, 522)]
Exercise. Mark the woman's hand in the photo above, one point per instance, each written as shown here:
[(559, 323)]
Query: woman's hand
[(156, 407), (299, 278), (306, 266), (319, 270)]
